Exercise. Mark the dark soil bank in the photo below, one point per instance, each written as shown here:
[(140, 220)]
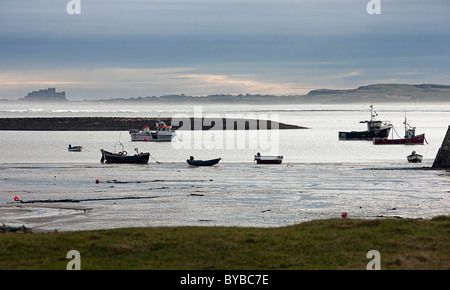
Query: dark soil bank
[(124, 124)]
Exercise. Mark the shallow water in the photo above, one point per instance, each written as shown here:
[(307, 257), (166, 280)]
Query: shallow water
[(320, 176)]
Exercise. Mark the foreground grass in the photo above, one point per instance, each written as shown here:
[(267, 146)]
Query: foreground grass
[(320, 244)]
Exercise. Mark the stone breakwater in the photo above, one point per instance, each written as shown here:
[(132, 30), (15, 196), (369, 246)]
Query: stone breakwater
[(442, 159), (125, 124)]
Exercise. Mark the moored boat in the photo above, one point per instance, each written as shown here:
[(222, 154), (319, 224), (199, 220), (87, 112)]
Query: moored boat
[(260, 159), (419, 139), (74, 148), (163, 133), (192, 161), (123, 157), (414, 157), (410, 137), (375, 129)]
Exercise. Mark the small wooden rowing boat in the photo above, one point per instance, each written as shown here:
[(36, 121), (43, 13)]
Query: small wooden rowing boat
[(74, 148), (193, 162), (414, 157), (260, 159)]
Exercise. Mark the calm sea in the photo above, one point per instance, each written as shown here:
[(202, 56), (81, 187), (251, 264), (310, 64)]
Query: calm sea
[(320, 176)]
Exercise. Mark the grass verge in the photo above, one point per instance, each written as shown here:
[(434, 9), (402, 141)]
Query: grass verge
[(319, 244)]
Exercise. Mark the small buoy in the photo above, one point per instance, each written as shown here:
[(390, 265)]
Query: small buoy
[(97, 181), (344, 215), (16, 198)]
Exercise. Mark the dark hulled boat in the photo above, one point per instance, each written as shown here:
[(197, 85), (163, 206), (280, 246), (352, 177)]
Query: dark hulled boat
[(123, 157), (74, 148), (375, 129), (192, 161)]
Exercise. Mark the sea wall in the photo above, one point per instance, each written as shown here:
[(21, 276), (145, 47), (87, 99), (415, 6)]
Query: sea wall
[(442, 159), (125, 124)]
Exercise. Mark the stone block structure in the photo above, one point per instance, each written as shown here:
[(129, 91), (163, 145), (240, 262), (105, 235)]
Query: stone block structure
[(442, 159)]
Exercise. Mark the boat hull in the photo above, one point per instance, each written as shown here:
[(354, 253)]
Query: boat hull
[(416, 158), (268, 159), (74, 148), (109, 157), (203, 162), (419, 139), (364, 135), (152, 137)]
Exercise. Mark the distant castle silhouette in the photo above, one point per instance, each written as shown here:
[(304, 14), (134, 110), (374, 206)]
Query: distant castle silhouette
[(49, 94)]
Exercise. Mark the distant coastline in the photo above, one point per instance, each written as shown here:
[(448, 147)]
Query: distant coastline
[(125, 124), (376, 93)]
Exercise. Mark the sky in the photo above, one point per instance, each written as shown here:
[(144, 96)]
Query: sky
[(103, 49)]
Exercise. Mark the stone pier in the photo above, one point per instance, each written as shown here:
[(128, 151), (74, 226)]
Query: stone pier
[(442, 159)]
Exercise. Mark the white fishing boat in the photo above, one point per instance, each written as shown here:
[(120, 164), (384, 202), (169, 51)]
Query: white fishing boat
[(163, 133), (265, 159)]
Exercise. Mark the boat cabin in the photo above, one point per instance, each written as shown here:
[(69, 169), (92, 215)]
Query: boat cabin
[(162, 127), (410, 133), (373, 125)]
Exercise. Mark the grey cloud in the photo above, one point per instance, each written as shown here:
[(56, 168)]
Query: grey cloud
[(282, 40)]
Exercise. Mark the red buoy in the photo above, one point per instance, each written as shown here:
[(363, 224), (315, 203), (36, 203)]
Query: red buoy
[(344, 215), (97, 181), (16, 198)]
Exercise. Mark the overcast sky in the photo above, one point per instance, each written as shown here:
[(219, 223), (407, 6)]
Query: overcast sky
[(131, 48)]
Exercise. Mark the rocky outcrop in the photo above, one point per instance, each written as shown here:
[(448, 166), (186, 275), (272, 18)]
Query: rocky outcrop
[(442, 159), (125, 124)]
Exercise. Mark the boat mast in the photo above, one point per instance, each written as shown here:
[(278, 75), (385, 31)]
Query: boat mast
[(406, 129), (372, 113)]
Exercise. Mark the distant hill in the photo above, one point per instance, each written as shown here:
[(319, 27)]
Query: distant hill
[(385, 93), (371, 93), (376, 93)]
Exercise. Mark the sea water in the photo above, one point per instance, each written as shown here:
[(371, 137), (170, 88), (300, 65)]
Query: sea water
[(320, 176)]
